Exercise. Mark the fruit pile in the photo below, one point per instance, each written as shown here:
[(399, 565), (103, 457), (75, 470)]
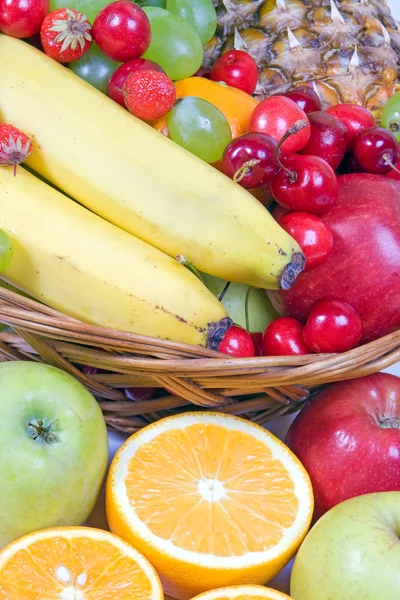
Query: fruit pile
[(201, 505), (285, 157)]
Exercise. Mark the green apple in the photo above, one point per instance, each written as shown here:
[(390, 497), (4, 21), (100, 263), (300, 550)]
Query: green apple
[(53, 449), (352, 553), (260, 309)]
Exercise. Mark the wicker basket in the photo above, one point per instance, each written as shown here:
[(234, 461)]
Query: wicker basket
[(259, 389)]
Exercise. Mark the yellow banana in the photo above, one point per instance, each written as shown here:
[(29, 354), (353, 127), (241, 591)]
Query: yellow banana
[(126, 172), (74, 261)]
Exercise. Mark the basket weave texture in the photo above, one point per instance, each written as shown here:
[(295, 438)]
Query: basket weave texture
[(259, 389)]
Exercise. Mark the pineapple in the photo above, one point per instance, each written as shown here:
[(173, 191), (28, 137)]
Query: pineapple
[(347, 50)]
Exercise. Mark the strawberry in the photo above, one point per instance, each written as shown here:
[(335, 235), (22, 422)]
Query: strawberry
[(66, 35), (15, 146)]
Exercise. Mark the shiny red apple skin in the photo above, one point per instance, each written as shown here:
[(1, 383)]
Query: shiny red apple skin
[(348, 439), (364, 267)]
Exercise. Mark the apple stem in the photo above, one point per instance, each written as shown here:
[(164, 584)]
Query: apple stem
[(42, 432), (245, 169), (387, 422), (387, 160), (293, 130)]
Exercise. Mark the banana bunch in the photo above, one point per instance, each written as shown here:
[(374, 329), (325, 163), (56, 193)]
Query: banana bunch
[(78, 263), (126, 172)]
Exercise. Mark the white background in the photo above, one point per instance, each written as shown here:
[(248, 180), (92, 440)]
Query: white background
[(278, 427)]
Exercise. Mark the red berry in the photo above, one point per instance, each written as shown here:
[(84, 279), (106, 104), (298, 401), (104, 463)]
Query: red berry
[(202, 72), (66, 35), (122, 30), (249, 159), (237, 342), (256, 336), (116, 84), (376, 150), (149, 95), (312, 234), (237, 69), (305, 98), (139, 394), (22, 18), (328, 138), (284, 337), (90, 370), (306, 183), (274, 116), (332, 326), (355, 118), (15, 146)]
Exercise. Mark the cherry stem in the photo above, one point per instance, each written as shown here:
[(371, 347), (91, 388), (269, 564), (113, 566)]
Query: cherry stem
[(245, 169), (293, 130), (15, 162), (246, 308), (189, 265), (222, 294), (387, 160)]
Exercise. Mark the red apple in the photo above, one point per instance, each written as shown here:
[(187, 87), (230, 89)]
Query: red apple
[(348, 439), (364, 267)]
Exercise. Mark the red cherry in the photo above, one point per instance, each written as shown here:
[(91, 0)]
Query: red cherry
[(332, 326), (249, 159), (202, 72), (279, 212), (312, 234), (115, 87), (237, 69), (305, 98), (139, 394), (284, 337), (355, 118), (274, 116), (328, 139), (90, 370), (376, 150), (256, 336), (352, 165), (22, 18), (237, 342), (66, 35), (122, 30), (305, 183), (149, 95)]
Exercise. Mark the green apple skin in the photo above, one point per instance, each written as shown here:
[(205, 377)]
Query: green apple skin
[(261, 311), (55, 482), (352, 552)]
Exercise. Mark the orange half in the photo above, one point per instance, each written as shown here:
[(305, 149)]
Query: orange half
[(212, 500), (75, 563), (243, 592)]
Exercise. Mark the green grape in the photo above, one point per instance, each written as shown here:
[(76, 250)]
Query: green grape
[(95, 68), (199, 13), (89, 8), (6, 250), (159, 3), (390, 119), (200, 127), (174, 45)]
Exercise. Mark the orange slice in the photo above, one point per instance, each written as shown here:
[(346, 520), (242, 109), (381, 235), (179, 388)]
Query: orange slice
[(212, 500), (75, 563), (243, 592)]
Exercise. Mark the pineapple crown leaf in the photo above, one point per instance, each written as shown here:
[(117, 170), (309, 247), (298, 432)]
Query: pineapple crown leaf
[(386, 34), (335, 13), (293, 41), (355, 60)]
